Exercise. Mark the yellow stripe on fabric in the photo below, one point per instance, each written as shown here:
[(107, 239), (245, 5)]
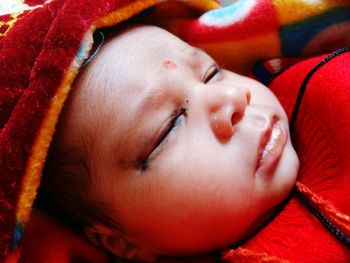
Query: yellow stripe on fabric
[(203, 5), (40, 148), (303, 9), (128, 11), (124, 13), (10, 23)]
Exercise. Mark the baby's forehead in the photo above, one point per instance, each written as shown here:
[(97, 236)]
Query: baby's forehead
[(137, 52), (145, 43)]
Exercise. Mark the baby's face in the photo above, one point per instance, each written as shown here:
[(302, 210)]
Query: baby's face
[(191, 156)]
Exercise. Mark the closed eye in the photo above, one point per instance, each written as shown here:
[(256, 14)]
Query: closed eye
[(174, 122), (211, 73)]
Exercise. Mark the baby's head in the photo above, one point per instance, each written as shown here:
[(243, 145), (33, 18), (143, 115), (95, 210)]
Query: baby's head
[(161, 152)]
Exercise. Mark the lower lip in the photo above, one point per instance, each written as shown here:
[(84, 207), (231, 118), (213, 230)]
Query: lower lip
[(273, 148)]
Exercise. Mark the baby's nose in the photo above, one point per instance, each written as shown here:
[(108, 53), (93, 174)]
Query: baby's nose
[(226, 109)]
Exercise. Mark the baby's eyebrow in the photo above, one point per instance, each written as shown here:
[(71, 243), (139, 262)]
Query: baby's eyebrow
[(197, 52), (146, 102), (196, 56), (152, 93)]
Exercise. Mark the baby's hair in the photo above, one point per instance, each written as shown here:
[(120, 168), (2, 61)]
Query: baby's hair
[(65, 191)]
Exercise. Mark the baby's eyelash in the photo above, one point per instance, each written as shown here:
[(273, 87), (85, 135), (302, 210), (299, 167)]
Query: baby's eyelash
[(182, 111), (211, 73), (144, 164)]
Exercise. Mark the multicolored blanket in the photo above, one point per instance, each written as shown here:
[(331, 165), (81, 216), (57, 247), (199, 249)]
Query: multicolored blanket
[(43, 44)]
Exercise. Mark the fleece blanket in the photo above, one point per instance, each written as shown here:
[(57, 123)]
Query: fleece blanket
[(43, 44)]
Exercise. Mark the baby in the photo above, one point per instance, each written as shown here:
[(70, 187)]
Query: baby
[(159, 151)]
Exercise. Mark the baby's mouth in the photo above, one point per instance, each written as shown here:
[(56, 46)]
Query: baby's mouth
[(271, 145)]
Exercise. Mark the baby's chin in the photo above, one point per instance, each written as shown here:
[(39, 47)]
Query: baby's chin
[(258, 224), (285, 176)]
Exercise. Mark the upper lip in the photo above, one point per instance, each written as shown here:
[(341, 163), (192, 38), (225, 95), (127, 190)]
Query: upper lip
[(265, 136)]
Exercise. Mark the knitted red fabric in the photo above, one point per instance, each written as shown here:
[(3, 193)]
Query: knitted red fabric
[(322, 139)]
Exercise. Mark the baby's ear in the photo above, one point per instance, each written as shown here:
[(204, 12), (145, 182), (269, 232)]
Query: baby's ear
[(117, 244)]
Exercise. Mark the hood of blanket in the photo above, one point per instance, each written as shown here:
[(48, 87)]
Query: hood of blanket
[(43, 43)]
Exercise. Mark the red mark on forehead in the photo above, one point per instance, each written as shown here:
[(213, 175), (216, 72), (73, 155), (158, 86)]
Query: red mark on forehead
[(168, 64)]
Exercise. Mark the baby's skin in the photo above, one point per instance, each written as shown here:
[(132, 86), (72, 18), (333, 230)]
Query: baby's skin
[(191, 157)]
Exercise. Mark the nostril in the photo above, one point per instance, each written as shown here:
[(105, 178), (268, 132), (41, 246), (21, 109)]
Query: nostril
[(248, 95), (236, 117)]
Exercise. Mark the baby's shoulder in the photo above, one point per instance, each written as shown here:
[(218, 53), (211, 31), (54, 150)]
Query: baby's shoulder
[(321, 133), (321, 136), (326, 82)]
